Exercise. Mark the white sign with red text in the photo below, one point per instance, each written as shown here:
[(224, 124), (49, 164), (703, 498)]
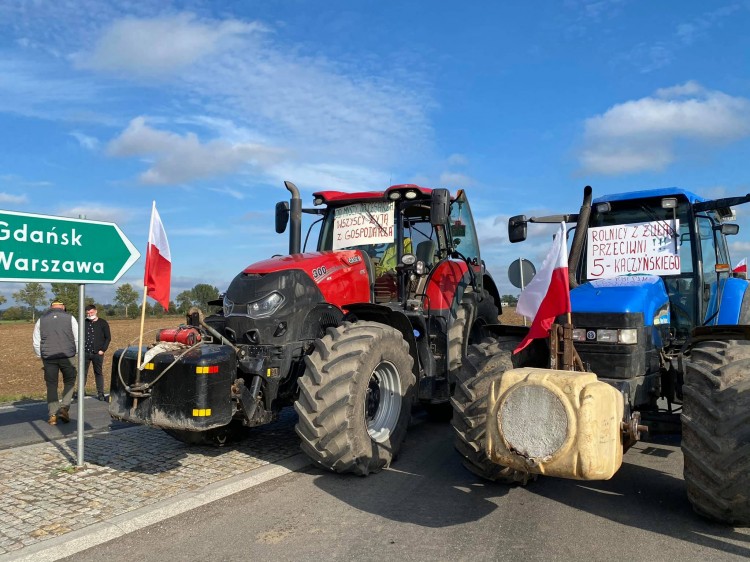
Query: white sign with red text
[(363, 223), (633, 249)]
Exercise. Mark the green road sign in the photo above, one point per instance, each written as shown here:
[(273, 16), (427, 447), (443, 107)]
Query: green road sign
[(57, 249)]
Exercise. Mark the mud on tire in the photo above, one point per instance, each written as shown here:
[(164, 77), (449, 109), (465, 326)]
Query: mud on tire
[(355, 398), (716, 430), (484, 363)]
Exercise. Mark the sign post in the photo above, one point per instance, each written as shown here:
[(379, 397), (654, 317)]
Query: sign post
[(520, 272), (47, 249)]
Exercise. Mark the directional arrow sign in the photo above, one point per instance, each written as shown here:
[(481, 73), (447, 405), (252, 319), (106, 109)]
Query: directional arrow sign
[(51, 249)]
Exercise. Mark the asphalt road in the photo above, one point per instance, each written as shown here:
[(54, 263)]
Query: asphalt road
[(25, 423), (428, 507)]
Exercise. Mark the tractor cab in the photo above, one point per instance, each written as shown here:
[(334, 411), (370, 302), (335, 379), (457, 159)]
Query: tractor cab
[(402, 234), (670, 233)]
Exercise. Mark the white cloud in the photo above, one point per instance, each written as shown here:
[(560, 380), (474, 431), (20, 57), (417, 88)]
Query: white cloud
[(13, 199), (228, 191), (457, 160), (739, 248), (86, 141), (333, 176), (639, 135), (155, 46), (104, 213), (40, 90), (183, 158), (452, 179)]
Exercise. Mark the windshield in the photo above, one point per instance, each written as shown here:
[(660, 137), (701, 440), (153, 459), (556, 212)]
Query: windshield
[(372, 228), (640, 237)]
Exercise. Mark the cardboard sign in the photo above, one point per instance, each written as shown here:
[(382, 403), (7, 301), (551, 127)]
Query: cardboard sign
[(646, 248), (363, 223)]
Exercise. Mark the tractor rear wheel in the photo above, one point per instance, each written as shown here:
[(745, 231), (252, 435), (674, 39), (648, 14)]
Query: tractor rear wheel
[(487, 313), (485, 363), (458, 343), (716, 430), (355, 398)]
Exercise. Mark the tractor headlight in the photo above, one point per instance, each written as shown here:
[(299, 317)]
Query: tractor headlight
[(626, 335), (629, 335), (228, 306), (265, 306), (606, 336), (579, 334)]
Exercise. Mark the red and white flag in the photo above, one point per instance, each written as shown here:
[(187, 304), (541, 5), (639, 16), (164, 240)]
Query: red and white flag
[(741, 267), (548, 294), (157, 278)]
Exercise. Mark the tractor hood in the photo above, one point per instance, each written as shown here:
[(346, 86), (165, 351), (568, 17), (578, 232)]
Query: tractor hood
[(643, 294), (341, 276)]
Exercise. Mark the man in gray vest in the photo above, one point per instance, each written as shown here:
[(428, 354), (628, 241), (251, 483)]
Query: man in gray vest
[(55, 340)]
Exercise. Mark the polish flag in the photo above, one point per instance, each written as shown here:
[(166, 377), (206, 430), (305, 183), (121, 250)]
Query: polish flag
[(741, 267), (548, 294), (157, 278)]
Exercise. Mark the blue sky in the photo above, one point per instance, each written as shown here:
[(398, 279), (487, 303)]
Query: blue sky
[(206, 107)]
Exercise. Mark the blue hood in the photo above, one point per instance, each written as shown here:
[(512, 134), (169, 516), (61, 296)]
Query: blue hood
[(634, 293)]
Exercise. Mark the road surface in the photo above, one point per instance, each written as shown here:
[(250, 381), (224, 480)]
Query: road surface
[(428, 507)]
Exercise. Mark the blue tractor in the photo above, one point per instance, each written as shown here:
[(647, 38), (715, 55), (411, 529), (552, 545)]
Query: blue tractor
[(659, 331)]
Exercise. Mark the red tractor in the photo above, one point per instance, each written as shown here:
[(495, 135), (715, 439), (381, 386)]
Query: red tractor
[(352, 334)]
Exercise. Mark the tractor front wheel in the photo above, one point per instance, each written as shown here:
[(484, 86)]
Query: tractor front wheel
[(716, 430), (485, 363), (355, 398)]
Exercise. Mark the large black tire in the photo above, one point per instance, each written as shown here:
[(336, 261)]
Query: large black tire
[(484, 363), (487, 313), (716, 430), (458, 344), (355, 398), (217, 437)]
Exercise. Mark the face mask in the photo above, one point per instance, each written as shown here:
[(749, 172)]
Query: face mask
[(92, 317)]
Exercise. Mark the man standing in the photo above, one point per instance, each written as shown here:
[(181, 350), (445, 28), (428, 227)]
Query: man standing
[(55, 340), (97, 341)]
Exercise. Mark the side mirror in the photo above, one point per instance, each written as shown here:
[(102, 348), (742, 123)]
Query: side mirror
[(282, 216), (517, 228), (729, 229), (440, 207)]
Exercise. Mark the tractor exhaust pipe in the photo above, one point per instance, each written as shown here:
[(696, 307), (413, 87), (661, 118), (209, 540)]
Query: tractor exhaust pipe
[(295, 219), (576, 249)]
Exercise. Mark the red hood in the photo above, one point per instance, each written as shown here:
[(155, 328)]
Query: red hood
[(341, 276)]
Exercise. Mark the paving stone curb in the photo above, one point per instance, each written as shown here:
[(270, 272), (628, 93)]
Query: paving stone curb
[(138, 474)]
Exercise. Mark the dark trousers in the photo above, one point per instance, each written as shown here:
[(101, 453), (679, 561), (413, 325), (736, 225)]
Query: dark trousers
[(96, 360), (52, 369)]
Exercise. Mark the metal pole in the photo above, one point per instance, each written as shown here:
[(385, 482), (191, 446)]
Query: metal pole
[(81, 366), (521, 268)]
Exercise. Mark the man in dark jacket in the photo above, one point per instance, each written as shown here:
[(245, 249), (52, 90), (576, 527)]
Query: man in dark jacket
[(97, 341), (55, 340)]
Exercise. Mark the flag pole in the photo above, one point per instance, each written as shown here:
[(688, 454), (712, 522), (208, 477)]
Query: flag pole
[(143, 320), (145, 291)]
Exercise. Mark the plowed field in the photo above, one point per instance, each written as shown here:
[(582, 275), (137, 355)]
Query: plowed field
[(21, 370)]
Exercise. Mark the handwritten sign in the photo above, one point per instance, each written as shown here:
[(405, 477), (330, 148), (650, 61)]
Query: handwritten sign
[(363, 223), (646, 248)]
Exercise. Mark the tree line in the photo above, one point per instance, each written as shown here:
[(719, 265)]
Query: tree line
[(126, 302)]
